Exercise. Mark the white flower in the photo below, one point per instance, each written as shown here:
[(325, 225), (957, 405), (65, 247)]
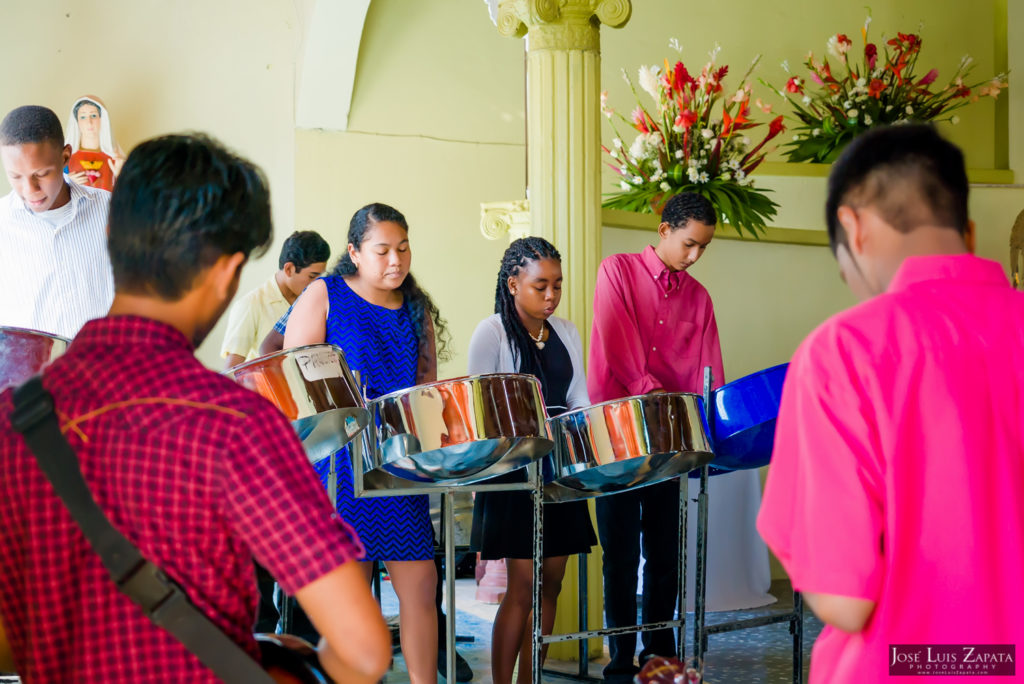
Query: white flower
[(797, 138), (785, 65), (965, 61), (816, 132), (637, 180), (955, 120), (692, 174), (625, 76), (614, 154), (625, 186), (852, 113), (746, 141), (807, 100), (617, 143), (868, 120), (714, 53), (847, 104), (674, 44), (888, 108), (739, 176), (861, 82), (707, 133), (648, 78), (692, 163), (909, 110), (703, 177), (665, 186), (679, 154)]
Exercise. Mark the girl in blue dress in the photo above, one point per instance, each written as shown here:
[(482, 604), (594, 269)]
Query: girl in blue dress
[(371, 307)]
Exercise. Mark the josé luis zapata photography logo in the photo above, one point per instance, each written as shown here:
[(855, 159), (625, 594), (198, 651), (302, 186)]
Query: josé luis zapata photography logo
[(954, 660)]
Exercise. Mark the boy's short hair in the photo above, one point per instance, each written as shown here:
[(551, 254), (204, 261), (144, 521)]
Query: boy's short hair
[(31, 124), (180, 203), (302, 248), (687, 206), (909, 174)]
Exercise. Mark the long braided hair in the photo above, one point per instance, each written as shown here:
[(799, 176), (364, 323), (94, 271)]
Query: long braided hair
[(413, 296), (516, 257)]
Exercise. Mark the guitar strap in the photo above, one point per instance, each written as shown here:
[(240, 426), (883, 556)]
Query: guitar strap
[(163, 601)]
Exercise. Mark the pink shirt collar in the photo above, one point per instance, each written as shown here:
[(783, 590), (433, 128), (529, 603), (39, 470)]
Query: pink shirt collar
[(666, 278), (920, 269)]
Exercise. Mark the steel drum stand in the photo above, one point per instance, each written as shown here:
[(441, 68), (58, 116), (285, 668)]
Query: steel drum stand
[(389, 485), (701, 630), (539, 639)]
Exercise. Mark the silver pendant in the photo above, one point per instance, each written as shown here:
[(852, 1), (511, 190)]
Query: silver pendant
[(540, 345)]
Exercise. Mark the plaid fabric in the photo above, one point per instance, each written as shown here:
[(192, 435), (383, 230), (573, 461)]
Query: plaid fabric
[(201, 474)]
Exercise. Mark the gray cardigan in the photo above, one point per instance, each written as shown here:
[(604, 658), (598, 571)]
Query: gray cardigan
[(490, 352)]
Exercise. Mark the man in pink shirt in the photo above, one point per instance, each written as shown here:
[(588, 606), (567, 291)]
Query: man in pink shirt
[(655, 331), (895, 497)]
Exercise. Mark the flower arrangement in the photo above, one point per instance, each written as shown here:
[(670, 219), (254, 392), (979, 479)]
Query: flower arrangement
[(694, 139), (876, 87)]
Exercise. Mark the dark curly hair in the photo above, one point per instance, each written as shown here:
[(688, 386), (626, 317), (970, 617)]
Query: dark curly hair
[(516, 257), (681, 208), (416, 298)]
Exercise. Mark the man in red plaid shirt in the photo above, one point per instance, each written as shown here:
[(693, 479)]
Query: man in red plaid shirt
[(202, 475)]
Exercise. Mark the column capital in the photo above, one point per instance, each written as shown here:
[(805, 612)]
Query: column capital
[(505, 219), (561, 24)]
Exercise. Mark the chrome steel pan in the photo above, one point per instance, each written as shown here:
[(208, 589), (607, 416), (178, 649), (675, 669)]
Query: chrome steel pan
[(458, 431), (24, 352), (315, 389), (627, 443)]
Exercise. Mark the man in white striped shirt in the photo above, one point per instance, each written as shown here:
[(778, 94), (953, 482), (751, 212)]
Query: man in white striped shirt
[(54, 269)]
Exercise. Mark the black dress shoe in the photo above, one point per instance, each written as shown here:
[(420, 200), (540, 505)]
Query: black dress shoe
[(463, 672)]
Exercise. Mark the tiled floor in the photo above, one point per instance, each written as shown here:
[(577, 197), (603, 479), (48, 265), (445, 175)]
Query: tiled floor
[(754, 656)]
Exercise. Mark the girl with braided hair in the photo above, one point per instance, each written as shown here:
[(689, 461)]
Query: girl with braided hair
[(523, 336), (371, 307)]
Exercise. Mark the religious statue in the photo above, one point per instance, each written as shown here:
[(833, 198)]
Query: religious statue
[(96, 158)]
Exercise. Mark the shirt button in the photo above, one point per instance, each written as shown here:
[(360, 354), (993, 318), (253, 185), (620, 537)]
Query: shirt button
[(661, 322), (654, 349), (666, 295)]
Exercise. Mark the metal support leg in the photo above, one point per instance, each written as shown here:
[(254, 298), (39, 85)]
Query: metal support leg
[(584, 644), (684, 493), (701, 570), (448, 516), (538, 559), (796, 628)]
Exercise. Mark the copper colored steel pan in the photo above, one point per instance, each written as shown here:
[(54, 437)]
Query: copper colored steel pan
[(315, 389), (24, 352), (458, 431), (627, 443)]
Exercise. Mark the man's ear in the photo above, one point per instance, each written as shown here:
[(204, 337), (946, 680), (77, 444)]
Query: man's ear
[(226, 271), (970, 236), (65, 155), (289, 269), (664, 230), (853, 226)]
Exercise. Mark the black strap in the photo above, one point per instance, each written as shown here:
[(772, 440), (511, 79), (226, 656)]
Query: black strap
[(161, 599)]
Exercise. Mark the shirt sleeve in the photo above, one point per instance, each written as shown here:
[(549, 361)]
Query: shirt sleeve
[(617, 334), (823, 507), (711, 348), (241, 332), (276, 503), (485, 349), (282, 322)]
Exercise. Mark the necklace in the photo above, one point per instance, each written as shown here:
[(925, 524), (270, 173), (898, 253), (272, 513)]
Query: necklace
[(538, 340)]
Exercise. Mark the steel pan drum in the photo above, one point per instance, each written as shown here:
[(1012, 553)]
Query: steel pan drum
[(626, 443), (459, 431), (315, 389), (743, 423), (24, 352)]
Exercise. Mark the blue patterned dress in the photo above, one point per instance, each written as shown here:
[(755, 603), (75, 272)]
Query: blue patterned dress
[(382, 345)]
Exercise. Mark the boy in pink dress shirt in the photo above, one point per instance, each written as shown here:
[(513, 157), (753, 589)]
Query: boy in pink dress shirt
[(895, 497), (654, 331)]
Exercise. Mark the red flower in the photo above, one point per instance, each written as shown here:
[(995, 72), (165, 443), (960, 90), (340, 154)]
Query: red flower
[(876, 87), (794, 85), (775, 127), (929, 77), (871, 54), (640, 120), (843, 42), (686, 119)]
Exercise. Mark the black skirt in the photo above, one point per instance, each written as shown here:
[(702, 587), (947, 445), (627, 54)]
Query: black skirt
[(503, 524)]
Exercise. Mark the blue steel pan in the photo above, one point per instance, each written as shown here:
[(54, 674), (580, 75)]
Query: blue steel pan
[(743, 422)]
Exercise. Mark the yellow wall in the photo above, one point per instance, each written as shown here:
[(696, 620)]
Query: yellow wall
[(223, 67)]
